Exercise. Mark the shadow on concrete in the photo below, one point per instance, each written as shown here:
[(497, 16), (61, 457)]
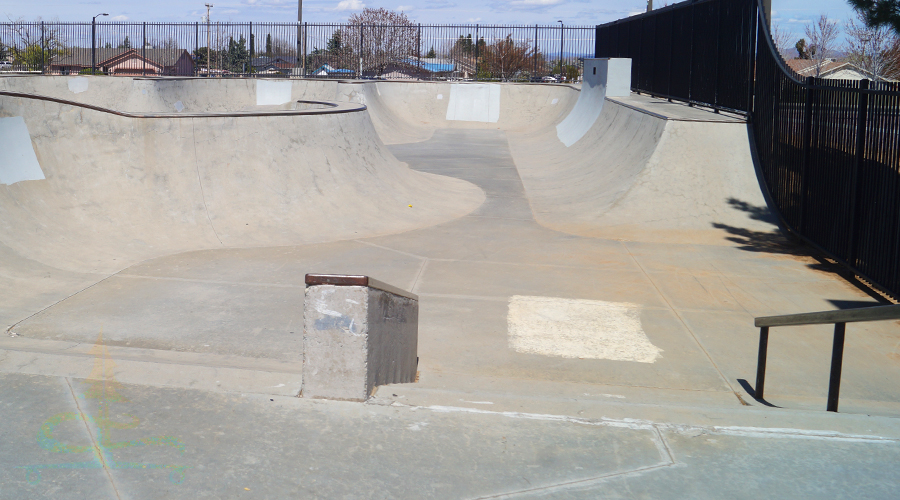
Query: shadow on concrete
[(855, 304), (752, 393), (776, 242), (760, 241)]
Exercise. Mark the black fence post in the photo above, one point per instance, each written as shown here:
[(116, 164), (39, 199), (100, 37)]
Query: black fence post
[(751, 71), (43, 49), (861, 119), (807, 147), (718, 56), (144, 50), (690, 89), (837, 358), (760, 387)]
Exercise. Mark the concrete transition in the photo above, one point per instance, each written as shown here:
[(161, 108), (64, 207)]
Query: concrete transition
[(358, 333)]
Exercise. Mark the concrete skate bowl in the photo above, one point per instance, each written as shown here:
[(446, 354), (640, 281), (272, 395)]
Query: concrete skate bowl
[(593, 166), (88, 190), (123, 170)]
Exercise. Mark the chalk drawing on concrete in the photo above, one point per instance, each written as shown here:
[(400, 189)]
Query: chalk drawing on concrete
[(577, 328)]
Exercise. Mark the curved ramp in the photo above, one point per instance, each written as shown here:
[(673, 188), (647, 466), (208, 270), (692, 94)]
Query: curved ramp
[(637, 175), (120, 189)]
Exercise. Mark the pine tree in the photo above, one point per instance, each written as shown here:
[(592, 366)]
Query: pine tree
[(879, 13)]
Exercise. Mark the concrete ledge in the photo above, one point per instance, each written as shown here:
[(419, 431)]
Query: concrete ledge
[(358, 333)]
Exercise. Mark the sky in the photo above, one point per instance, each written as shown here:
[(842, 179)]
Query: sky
[(790, 14)]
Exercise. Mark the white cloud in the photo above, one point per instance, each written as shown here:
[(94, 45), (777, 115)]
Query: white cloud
[(802, 21), (119, 18), (350, 5), (474, 19), (405, 8)]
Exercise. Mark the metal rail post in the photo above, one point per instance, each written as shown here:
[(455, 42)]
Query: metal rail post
[(837, 358), (761, 362)]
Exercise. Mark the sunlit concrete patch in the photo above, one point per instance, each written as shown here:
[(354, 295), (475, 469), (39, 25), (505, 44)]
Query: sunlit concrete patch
[(271, 92), (78, 84), (18, 162), (577, 328), (474, 103)]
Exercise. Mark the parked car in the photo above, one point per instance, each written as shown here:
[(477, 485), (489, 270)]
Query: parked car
[(5, 65), (549, 79)]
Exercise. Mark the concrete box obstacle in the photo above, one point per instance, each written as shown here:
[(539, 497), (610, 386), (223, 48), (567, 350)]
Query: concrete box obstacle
[(358, 333)]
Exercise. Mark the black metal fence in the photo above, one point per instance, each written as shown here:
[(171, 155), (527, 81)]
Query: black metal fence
[(696, 51), (829, 150), (418, 51)]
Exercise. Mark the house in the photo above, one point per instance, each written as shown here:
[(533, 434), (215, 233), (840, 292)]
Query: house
[(831, 69), (273, 64), (327, 71), (414, 68), (125, 62)]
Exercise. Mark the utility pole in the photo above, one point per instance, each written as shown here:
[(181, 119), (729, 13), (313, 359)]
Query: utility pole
[(300, 65), (208, 52), (649, 5), (93, 43)]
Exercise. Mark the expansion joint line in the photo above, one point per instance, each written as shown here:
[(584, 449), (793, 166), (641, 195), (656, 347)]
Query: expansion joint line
[(200, 181), (686, 326), (96, 445), (665, 454)]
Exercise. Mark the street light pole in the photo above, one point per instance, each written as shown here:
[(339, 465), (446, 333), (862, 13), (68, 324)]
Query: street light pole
[(561, 31), (94, 42)]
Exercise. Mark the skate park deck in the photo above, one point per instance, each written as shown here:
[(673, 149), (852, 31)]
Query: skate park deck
[(203, 333)]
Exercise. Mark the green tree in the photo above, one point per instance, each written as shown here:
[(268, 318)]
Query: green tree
[(878, 13), (126, 44), (805, 51), (269, 45), (33, 57), (201, 56), (335, 43), (431, 54), (237, 58)]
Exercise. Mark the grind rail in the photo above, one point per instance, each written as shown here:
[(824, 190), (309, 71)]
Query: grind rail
[(839, 319)]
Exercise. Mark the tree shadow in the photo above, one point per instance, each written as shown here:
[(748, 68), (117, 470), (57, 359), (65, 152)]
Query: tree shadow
[(781, 242), (760, 241)]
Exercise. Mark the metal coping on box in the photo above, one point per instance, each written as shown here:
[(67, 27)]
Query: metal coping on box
[(356, 280)]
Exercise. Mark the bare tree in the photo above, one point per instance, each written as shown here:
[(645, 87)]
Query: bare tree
[(870, 49), (822, 35), (782, 38), (380, 37), (508, 59), (35, 44)]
